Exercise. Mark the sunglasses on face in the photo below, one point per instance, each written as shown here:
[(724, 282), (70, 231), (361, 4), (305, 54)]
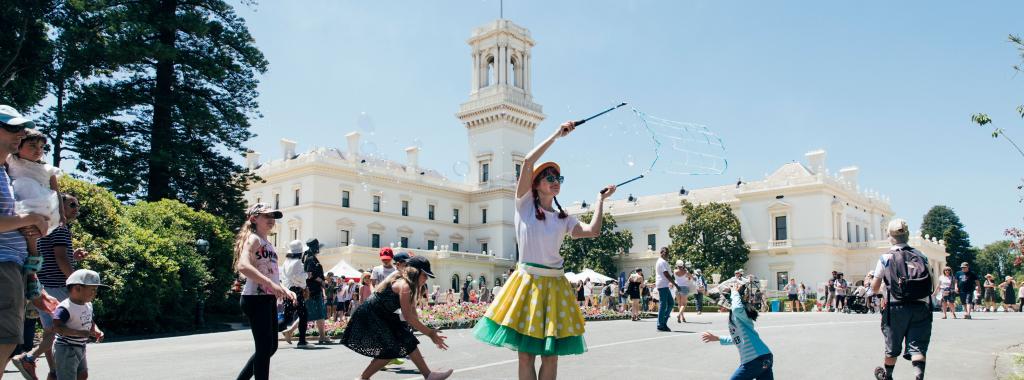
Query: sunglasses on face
[(72, 205), (12, 128), (551, 178)]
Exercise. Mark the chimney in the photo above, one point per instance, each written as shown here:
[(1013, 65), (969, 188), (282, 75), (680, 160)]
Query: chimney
[(353, 145), (287, 148), (412, 161), (816, 161), (849, 175), (252, 160)]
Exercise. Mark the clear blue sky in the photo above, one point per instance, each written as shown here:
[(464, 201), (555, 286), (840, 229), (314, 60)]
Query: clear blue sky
[(887, 86)]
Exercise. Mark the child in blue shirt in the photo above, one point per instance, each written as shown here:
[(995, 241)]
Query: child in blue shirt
[(755, 357)]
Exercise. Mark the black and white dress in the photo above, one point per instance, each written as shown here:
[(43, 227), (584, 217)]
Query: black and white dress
[(376, 331)]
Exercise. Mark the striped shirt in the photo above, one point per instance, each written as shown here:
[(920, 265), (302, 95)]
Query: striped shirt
[(13, 247), (742, 334), (50, 275), (74, 316)]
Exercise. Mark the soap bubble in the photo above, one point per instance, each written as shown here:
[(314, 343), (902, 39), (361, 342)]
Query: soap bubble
[(461, 168), (629, 160), (365, 123), (368, 148)]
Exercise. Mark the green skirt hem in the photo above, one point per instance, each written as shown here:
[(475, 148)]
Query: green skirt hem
[(492, 333)]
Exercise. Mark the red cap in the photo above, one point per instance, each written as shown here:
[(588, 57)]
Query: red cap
[(387, 253)]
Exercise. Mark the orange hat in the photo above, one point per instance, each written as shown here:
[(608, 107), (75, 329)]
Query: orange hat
[(544, 166)]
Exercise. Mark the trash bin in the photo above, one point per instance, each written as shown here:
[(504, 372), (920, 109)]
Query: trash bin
[(775, 306)]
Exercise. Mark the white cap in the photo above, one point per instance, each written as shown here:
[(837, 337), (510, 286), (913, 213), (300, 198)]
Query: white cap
[(680, 263), (296, 246), (898, 227), (84, 277), (10, 116)]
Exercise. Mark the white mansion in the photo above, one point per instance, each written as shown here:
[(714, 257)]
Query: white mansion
[(799, 222)]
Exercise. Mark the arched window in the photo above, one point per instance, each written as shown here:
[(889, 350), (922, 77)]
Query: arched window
[(514, 72), (489, 79), (455, 282)]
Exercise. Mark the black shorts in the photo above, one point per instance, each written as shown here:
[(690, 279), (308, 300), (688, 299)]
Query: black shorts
[(792, 297), (911, 323), (967, 298)]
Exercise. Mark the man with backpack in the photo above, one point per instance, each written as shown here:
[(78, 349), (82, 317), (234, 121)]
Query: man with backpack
[(906, 307)]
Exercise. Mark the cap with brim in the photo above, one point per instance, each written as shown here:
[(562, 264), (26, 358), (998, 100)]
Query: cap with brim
[(10, 116), (544, 166), (680, 263), (296, 246), (386, 253), (84, 277), (421, 263), (401, 257), (738, 271), (263, 208), (964, 264)]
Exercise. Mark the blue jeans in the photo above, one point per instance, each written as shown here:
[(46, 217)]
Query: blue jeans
[(665, 304), (758, 369)]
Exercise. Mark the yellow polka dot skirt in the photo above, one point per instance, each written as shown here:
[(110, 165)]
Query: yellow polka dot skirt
[(534, 314)]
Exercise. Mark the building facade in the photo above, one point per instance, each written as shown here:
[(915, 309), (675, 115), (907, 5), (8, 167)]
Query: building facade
[(800, 222)]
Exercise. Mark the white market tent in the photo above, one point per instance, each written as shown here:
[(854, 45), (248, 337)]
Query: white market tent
[(593, 276), (343, 269)]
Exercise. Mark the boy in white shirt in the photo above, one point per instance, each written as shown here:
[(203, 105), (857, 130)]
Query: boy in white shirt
[(74, 325)]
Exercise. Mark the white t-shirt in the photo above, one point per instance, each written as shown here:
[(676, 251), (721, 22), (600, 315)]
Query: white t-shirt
[(294, 274), (946, 283), (380, 273), (886, 258), (682, 281), (588, 289), (540, 240), (74, 316), (659, 274)]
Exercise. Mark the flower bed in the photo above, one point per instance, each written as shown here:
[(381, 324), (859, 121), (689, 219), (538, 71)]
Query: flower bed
[(465, 315)]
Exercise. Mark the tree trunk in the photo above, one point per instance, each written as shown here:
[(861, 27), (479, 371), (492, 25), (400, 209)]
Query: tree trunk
[(58, 133), (162, 134)]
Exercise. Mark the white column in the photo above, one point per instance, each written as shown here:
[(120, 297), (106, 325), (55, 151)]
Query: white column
[(476, 72), (526, 72), (498, 59)]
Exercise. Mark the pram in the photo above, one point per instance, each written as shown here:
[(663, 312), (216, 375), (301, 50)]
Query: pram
[(856, 303)]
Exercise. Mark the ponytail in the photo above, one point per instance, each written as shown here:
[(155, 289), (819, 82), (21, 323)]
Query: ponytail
[(248, 228)]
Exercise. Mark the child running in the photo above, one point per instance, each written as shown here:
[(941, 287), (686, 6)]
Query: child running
[(755, 357), (375, 330), (536, 313)]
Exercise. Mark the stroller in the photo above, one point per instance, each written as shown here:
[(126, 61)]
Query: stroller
[(857, 303)]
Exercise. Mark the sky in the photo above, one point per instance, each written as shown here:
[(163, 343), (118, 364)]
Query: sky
[(887, 86)]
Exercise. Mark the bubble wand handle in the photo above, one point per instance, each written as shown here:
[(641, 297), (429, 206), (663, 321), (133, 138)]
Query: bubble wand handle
[(628, 181), (580, 122)]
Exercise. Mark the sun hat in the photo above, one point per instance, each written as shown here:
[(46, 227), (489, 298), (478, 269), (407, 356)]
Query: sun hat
[(544, 166), (296, 246), (263, 208)]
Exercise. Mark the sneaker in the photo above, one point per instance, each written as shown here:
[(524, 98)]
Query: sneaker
[(967, 316), (302, 344), (402, 361), (440, 375), (664, 328), (880, 374), (26, 366)]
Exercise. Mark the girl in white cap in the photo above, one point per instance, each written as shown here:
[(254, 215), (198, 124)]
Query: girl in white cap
[(256, 260)]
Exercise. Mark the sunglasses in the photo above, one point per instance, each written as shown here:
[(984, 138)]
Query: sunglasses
[(73, 205), (554, 178), (12, 128)]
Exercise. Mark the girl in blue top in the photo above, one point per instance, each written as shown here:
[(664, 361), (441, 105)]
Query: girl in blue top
[(755, 357)]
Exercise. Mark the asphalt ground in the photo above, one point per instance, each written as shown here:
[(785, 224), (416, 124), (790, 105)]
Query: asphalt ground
[(805, 345)]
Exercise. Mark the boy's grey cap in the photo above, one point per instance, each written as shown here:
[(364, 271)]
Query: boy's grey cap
[(84, 277)]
